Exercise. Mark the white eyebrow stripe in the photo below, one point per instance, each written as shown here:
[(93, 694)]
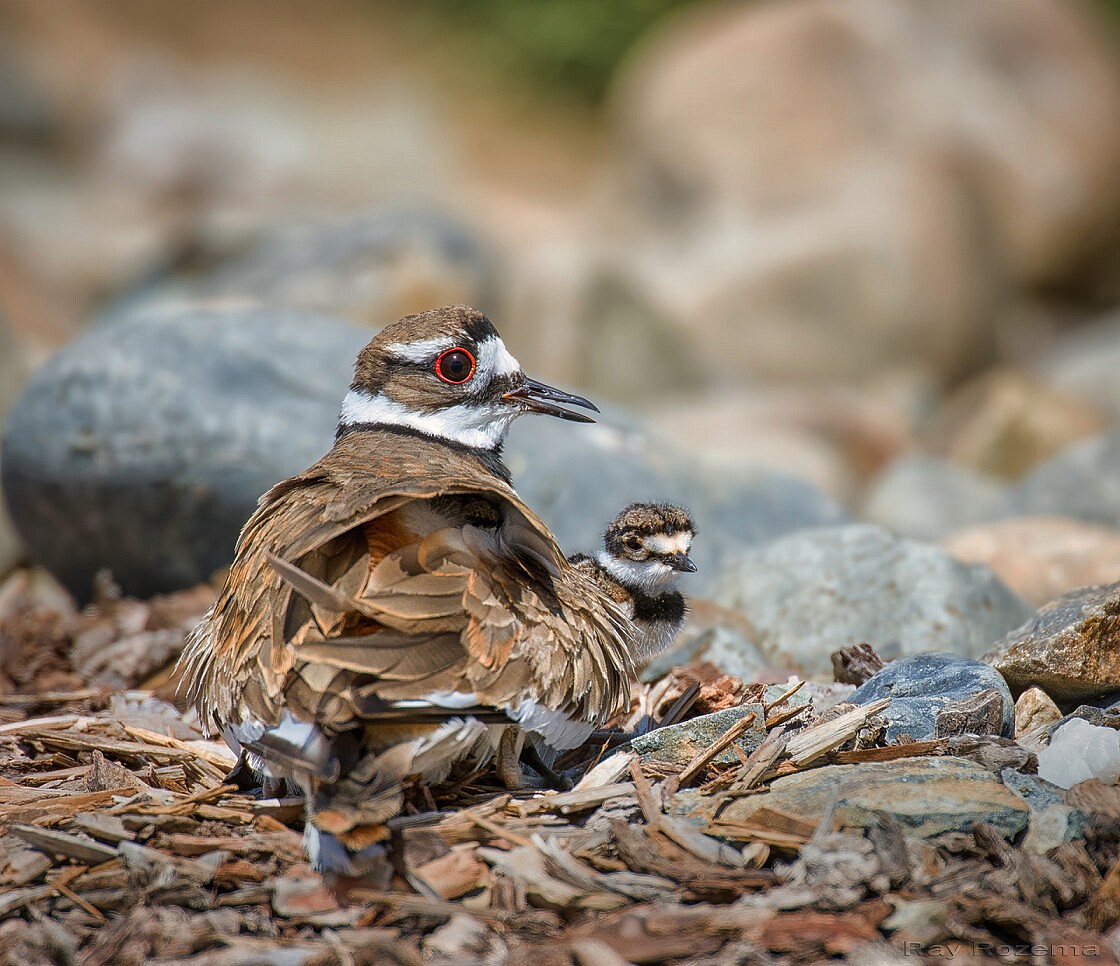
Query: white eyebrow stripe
[(677, 543), (425, 350), (494, 359)]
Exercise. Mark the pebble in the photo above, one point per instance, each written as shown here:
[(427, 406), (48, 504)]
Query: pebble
[(1041, 557), (923, 684), (1070, 648), (928, 796), (1079, 751), (1034, 709), (1053, 826), (817, 591), (678, 744)]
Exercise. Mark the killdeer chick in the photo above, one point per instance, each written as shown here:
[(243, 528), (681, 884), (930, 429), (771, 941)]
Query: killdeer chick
[(645, 549), (388, 604)]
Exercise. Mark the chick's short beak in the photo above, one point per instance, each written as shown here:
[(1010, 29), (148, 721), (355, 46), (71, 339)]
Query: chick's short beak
[(682, 562), (536, 397)]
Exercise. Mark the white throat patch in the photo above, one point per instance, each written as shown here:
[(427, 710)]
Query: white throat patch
[(480, 426), (650, 576)]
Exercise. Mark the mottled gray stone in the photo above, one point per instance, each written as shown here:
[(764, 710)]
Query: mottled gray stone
[(928, 796), (1085, 361), (1037, 792), (679, 743), (922, 684), (816, 591)]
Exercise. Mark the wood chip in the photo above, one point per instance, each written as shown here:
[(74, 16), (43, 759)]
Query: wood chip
[(703, 757), (576, 801), (818, 739), (79, 847)]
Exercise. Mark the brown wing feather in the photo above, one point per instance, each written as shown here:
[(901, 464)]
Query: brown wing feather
[(327, 564)]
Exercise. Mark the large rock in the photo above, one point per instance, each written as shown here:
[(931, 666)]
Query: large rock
[(1085, 362), (1083, 481), (143, 446), (755, 223), (17, 359), (921, 685), (1041, 557), (678, 744), (1005, 422), (928, 796), (812, 593), (925, 497), (1070, 648)]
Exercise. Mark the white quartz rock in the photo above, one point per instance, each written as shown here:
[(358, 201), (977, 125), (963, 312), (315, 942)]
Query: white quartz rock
[(1079, 751)]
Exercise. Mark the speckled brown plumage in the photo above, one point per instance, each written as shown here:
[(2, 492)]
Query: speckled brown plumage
[(526, 623)]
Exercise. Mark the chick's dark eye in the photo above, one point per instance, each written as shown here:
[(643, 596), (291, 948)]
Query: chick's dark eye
[(455, 366), (633, 543)]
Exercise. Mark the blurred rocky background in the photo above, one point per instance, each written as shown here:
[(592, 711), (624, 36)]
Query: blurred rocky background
[(844, 274)]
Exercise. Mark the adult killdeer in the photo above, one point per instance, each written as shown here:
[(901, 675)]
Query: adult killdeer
[(387, 605), (645, 548)]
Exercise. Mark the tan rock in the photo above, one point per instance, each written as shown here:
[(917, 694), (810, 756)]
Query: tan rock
[(1034, 709), (1041, 557), (1006, 422), (763, 150), (1070, 648)]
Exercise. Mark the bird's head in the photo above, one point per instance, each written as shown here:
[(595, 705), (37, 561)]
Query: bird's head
[(647, 546), (446, 373)]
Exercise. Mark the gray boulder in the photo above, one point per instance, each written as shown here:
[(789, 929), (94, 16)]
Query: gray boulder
[(143, 446), (1082, 481), (814, 592), (926, 497), (370, 267)]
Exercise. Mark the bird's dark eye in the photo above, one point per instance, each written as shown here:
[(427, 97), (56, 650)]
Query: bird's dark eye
[(633, 543), (455, 366)]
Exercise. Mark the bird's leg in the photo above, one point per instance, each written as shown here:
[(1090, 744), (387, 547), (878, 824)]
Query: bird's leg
[(508, 759), (533, 759), (242, 775), (248, 779)]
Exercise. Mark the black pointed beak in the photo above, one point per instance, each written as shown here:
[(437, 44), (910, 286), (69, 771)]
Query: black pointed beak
[(536, 397), (682, 562)]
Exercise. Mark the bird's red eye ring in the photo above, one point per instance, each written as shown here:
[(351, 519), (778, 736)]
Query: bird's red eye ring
[(455, 366)]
